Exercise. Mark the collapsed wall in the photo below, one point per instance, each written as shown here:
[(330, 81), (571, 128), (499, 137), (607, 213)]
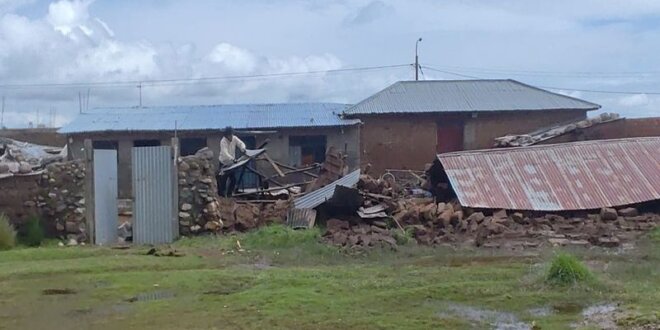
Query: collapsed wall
[(201, 211)]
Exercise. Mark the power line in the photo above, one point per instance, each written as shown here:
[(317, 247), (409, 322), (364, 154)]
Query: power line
[(584, 74), (152, 82), (554, 87)]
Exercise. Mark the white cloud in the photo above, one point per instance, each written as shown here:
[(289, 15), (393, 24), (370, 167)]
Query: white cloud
[(636, 100), (83, 40)]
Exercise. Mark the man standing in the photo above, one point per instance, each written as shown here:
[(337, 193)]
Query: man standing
[(227, 157)]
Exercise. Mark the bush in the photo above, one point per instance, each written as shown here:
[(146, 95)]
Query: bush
[(32, 234), (566, 269), (402, 238), (7, 234)]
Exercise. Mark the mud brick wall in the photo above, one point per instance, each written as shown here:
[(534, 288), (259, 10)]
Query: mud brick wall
[(16, 197), (201, 211)]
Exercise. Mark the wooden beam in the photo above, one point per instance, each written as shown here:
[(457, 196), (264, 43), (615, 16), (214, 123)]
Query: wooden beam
[(89, 190), (275, 167)]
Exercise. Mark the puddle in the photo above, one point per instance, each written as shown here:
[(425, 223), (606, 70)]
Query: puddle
[(601, 316), (53, 292), (151, 296), (541, 311), (567, 308), (481, 316)]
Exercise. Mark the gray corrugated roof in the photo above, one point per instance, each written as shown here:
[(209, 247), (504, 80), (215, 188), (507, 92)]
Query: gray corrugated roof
[(465, 95), (239, 116), (320, 196)]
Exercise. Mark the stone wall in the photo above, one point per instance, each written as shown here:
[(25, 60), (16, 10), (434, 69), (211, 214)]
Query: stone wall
[(56, 196), (201, 211)]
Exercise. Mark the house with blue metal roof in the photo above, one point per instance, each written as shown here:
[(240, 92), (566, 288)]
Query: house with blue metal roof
[(407, 123), (298, 133)]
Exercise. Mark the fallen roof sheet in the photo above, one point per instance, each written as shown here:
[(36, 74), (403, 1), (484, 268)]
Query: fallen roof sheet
[(320, 196), (556, 177), (546, 133), (465, 95), (211, 117)]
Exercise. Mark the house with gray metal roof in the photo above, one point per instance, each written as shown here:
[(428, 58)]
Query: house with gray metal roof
[(410, 121), (298, 133)]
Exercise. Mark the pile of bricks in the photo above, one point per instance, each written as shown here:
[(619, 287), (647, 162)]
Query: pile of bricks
[(388, 211)]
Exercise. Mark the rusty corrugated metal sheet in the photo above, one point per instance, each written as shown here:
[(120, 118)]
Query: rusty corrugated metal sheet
[(570, 176)]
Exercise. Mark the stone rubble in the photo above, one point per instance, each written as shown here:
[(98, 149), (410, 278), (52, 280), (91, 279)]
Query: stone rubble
[(429, 223)]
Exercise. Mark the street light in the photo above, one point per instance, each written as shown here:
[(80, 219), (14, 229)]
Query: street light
[(417, 59)]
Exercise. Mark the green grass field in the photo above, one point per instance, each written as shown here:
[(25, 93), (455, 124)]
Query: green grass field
[(283, 279)]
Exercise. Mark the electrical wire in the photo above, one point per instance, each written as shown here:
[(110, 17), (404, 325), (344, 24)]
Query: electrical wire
[(555, 87), (177, 81)]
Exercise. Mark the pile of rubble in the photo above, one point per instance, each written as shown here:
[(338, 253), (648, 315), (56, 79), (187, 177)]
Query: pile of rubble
[(17, 157), (522, 140), (387, 212)]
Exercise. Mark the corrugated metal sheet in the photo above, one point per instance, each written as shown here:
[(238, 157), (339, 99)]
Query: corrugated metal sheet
[(154, 221), (301, 218), (464, 95), (318, 197), (105, 197), (186, 118), (570, 176)]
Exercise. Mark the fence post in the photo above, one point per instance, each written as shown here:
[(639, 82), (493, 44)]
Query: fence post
[(175, 186), (89, 191)]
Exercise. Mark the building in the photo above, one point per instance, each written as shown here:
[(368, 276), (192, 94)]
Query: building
[(407, 123), (298, 133)]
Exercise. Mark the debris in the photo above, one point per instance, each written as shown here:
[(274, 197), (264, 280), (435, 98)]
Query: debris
[(607, 213)]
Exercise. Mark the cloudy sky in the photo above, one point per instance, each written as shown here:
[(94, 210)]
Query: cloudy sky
[(52, 51)]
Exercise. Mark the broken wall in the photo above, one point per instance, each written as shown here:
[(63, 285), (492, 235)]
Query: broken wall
[(56, 196), (201, 211)]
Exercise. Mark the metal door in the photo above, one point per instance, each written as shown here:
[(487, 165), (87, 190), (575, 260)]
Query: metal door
[(449, 137), (105, 196), (154, 219)]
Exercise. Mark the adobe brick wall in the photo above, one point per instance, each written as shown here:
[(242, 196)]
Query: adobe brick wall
[(481, 131), (398, 141), (639, 127), (618, 129)]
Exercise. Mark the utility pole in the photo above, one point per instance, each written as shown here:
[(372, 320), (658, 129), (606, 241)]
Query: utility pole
[(2, 114), (417, 59)]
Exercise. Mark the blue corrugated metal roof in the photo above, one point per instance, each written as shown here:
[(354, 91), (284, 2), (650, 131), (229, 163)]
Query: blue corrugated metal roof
[(464, 95), (239, 116)]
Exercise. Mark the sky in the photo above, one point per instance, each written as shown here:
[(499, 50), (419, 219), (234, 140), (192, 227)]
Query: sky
[(55, 53)]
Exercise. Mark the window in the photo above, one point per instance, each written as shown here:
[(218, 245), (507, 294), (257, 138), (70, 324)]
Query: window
[(146, 143), (189, 146), (307, 150), (106, 145)]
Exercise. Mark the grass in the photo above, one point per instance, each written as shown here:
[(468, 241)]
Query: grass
[(32, 233), (284, 279), (566, 269), (7, 233)]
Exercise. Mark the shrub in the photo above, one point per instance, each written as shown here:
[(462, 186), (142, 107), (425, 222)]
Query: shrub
[(402, 238), (567, 269), (7, 233), (32, 234)]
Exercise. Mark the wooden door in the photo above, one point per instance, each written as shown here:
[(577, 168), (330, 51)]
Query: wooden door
[(450, 137)]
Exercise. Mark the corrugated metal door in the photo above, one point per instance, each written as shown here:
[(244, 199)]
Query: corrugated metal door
[(154, 221), (105, 196)]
